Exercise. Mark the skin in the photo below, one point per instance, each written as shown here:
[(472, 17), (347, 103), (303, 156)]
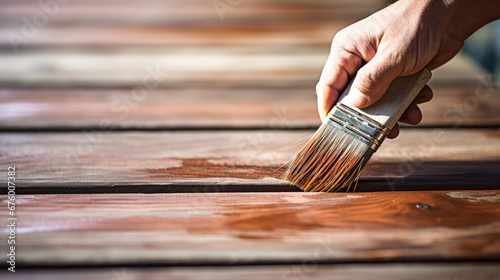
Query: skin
[(398, 40)]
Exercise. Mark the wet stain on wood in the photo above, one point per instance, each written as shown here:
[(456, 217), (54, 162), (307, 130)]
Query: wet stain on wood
[(205, 168)]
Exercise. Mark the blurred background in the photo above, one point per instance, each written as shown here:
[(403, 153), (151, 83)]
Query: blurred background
[(73, 63)]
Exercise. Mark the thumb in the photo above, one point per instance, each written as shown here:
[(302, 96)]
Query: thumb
[(372, 81)]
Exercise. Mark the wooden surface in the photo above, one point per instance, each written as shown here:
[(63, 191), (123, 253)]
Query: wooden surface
[(235, 66), (96, 161), (149, 138), (212, 228), (194, 108)]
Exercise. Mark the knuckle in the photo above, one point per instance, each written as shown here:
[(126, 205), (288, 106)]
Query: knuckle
[(319, 88), (342, 38), (340, 35)]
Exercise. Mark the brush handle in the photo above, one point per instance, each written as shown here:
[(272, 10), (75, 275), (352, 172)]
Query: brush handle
[(401, 92)]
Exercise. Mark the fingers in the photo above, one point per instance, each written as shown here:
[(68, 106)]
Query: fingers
[(412, 115), (340, 66), (425, 95), (372, 80), (327, 96), (394, 132)]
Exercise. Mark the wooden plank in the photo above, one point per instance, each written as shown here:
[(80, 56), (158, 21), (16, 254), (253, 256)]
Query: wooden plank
[(238, 65), (294, 33), (216, 107), (96, 161), (174, 11), (306, 270), (195, 66), (237, 228), (169, 108), (177, 22), (52, 66)]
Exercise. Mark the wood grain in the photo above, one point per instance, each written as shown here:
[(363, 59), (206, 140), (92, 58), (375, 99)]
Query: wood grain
[(223, 228), (215, 107), (241, 66), (228, 104), (118, 23), (187, 161), (304, 33), (131, 12), (432, 271), (170, 108)]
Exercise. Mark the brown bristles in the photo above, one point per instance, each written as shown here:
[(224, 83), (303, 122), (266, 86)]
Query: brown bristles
[(332, 160)]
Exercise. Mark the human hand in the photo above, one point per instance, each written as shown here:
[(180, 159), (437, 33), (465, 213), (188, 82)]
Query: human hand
[(397, 41)]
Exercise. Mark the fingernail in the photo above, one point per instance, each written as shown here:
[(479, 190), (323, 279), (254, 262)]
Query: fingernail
[(322, 113), (323, 116)]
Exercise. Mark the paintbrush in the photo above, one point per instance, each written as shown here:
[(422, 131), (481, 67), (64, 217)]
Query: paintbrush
[(337, 153)]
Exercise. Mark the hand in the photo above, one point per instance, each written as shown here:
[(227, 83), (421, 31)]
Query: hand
[(397, 41)]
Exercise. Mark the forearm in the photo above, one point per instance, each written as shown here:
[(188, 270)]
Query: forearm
[(467, 16)]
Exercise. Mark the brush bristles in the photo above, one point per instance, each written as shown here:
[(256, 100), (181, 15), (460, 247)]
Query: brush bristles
[(332, 160)]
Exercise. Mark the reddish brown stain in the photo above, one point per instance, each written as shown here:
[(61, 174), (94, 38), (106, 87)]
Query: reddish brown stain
[(492, 133), (390, 210), (271, 221), (254, 236), (203, 168)]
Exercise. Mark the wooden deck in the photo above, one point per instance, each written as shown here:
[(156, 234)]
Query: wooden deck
[(149, 137)]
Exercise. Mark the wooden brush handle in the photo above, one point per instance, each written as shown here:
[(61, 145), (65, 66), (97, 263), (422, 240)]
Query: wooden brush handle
[(401, 92)]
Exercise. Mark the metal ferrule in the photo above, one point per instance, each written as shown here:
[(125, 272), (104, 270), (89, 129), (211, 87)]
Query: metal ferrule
[(358, 125)]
